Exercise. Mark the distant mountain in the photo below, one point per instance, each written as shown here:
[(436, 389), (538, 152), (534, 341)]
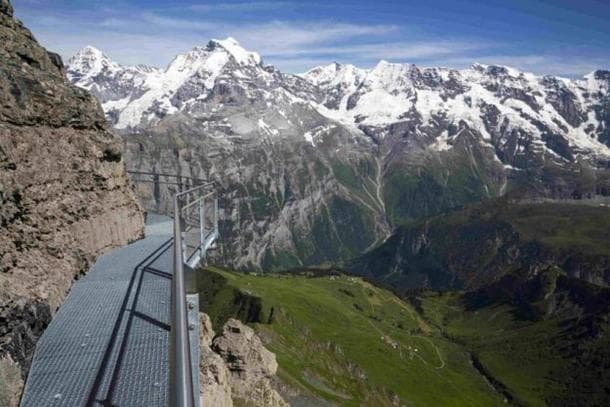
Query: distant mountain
[(478, 245), (324, 165)]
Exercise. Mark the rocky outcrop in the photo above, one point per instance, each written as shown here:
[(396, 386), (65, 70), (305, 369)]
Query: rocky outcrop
[(64, 194), (250, 364), (11, 382), (214, 379), (235, 367), (215, 386)]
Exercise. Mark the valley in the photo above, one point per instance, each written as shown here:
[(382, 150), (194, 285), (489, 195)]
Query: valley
[(391, 234), (342, 341)]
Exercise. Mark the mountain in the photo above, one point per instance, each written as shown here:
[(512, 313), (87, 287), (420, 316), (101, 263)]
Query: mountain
[(64, 194), (322, 166), (284, 169), (90, 69), (478, 245), (138, 95)]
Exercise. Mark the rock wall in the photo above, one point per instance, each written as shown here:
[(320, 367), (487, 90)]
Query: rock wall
[(64, 194)]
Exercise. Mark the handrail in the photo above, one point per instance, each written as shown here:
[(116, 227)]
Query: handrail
[(181, 376), (155, 178)]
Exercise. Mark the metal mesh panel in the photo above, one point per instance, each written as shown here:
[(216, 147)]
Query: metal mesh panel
[(109, 342)]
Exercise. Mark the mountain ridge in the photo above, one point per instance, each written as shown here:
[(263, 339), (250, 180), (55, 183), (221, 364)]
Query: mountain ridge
[(321, 167), (386, 93)]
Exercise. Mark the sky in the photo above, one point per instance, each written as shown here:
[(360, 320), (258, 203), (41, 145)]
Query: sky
[(558, 37)]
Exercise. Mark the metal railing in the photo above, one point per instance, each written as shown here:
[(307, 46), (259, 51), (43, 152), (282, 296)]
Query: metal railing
[(195, 212), (156, 190), (195, 230)]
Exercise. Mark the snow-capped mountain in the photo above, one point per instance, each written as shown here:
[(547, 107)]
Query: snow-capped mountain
[(321, 166), (557, 114), (561, 116), (139, 96), (112, 83)]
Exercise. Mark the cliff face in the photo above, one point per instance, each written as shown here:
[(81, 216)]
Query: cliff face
[(64, 194)]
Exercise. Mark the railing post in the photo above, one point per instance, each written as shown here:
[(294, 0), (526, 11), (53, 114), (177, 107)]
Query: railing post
[(216, 215), (181, 377), (201, 226)]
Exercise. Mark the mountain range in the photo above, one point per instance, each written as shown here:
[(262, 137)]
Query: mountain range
[(324, 165)]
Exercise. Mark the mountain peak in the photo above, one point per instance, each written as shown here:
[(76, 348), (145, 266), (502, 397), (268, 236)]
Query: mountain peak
[(241, 55), (89, 62), (335, 73), (90, 53), (90, 49)]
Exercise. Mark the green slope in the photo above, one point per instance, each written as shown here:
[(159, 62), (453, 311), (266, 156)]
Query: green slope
[(341, 340), (476, 245), (543, 340)]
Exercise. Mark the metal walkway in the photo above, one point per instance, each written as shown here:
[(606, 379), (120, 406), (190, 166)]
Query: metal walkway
[(108, 344)]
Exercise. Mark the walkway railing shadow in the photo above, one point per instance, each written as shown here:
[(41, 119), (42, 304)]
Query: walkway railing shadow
[(195, 213)]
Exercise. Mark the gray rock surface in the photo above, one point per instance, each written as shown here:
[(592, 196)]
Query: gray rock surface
[(235, 367), (64, 194), (214, 380)]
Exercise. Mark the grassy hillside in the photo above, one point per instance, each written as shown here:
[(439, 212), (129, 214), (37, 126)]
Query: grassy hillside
[(543, 340), (343, 341)]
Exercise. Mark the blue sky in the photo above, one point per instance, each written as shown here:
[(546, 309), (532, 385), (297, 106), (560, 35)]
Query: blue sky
[(560, 37)]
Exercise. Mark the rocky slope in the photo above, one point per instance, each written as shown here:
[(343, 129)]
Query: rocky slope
[(322, 166), (235, 367), (64, 194), (478, 245)]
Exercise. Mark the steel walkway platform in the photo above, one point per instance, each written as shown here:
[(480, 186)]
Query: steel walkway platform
[(108, 343)]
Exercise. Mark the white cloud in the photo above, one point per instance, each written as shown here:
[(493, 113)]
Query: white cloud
[(280, 37), (241, 6), (179, 24), (389, 50)]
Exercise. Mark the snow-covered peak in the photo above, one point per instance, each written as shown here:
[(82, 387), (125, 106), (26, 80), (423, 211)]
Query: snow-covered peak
[(389, 76), (240, 55), (196, 59), (89, 62), (91, 51), (334, 74), (210, 59)]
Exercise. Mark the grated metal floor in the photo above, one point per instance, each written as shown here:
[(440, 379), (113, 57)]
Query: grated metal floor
[(108, 343)]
